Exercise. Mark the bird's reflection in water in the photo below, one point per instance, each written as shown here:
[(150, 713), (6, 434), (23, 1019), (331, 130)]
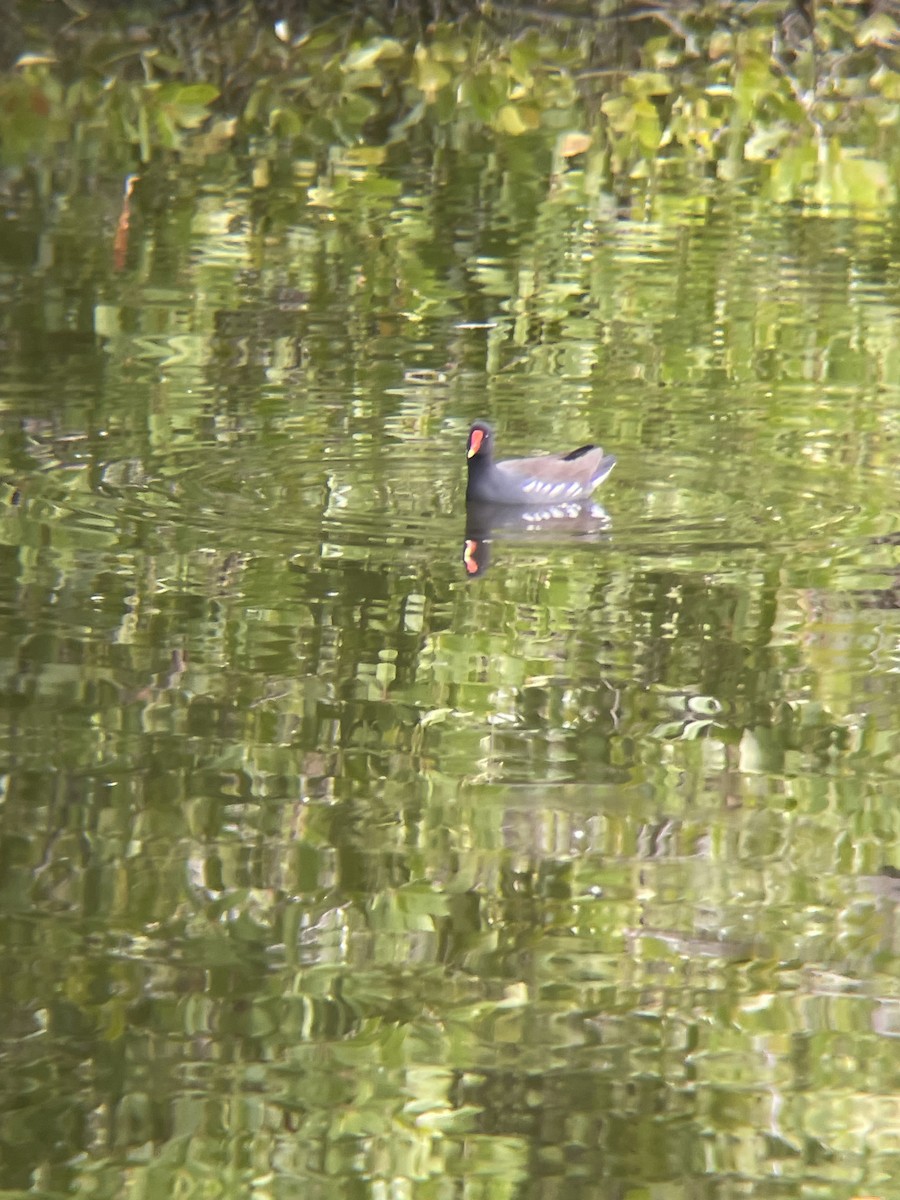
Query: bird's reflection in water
[(487, 523)]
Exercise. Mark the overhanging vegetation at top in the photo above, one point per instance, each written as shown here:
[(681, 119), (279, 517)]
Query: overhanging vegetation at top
[(806, 98)]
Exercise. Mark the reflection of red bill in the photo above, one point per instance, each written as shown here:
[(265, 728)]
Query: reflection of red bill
[(470, 561), (475, 442), (120, 242)]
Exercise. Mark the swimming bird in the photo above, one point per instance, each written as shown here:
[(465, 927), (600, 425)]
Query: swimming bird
[(546, 479)]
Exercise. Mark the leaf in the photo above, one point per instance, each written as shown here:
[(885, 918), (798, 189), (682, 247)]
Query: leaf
[(647, 126), (198, 95), (509, 120), (356, 110), (366, 56), (482, 93), (516, 119), (217, 137), (880, 29), (720, 44), (649, 83), (421, 901), (35, 60), (765, 141), (285, 122), (619, 111), (865, 180), (186, 106), (451, 1120), (792, 170), (453, 50), (573, 143), (524, 56), (887, 82), (693, 729), (166, 130), (668, 729), (434, 716), (429, 76)]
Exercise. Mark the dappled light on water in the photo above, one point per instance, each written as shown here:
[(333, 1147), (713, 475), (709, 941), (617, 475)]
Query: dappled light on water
[(354, 838)]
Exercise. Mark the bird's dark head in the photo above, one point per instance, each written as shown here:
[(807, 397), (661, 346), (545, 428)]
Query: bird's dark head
[(481, 440)]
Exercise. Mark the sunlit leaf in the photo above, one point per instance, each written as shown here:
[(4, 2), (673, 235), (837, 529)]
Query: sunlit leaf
[(197, 95), (887, 82), (285, 122), (421, 901), (620, 112), (435, 716), (450, 1120), (880, 29), (647, 126), (366, 56), (668, 729), (791, 170), (693, 729), (720, 44), (865, 180), (356, 110), (573, 143), (451, 50), (524, 56), (510, 119), (764, 141), (649, 83), (35, 60), (429, 75), (484, 95)]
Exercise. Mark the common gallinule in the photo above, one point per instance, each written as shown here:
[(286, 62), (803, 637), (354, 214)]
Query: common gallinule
[(546, 479)]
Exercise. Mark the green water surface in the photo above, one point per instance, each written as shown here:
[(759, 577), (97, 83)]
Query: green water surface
[(330, 868)]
